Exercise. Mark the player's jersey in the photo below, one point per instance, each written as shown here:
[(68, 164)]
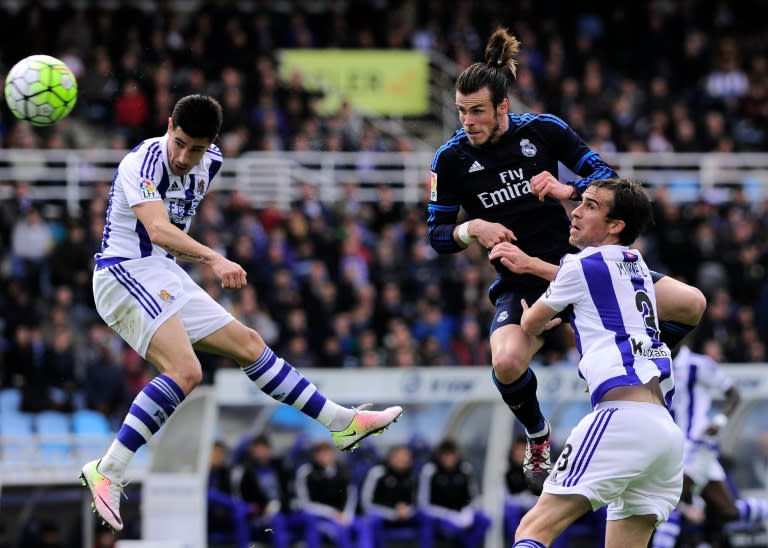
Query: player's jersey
[(145, 176), (614, 318), (697, 377), (492, 182)]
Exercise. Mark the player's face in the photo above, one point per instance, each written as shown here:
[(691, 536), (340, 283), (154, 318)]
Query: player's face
[(590, 224), (184, 152), (482, 122)]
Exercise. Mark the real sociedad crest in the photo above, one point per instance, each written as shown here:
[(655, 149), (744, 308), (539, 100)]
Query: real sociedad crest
[(528, 149)]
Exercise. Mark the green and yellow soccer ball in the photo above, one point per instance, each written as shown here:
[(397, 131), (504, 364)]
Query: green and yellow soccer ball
[(41, 90)]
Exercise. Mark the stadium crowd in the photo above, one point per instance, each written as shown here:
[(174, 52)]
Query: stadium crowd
[(354, 284)]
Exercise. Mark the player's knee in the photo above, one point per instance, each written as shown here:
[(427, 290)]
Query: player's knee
[(698, 304), (509, 366), (252, 347), (188, 377)]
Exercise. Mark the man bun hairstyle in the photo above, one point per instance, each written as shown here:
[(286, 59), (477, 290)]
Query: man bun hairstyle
[(199, 116), (630, 204), (497, 72)]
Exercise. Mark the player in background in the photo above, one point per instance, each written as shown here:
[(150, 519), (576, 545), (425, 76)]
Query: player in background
[(501, 169), (152, 303), (698, 377), (627, 453)]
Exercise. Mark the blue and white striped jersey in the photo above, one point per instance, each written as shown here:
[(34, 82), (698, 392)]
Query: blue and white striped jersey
[(613, 313), (145, 176), (698, 376)]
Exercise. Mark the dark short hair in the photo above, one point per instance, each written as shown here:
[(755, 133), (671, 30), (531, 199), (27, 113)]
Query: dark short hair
[(630, 204), (199, 116), (447, 446)]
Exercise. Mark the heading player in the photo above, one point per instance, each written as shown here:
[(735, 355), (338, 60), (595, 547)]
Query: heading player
[(501, 168)]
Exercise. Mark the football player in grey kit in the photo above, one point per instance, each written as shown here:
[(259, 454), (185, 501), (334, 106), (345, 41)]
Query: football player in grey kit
[(502, 168)]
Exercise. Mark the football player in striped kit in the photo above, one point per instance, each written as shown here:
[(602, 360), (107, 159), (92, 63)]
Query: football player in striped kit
[(156, 307), (698, 377), (627, 454), (502, 168)]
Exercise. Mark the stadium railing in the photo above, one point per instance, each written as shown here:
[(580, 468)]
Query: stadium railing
[(72, 176)]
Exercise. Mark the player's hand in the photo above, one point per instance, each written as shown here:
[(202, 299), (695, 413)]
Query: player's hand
[(511, 257), (547, 326), (546, 185), (230, 273), (489, 234)]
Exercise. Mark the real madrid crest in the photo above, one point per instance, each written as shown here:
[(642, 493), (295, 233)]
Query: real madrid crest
[(527, 148)]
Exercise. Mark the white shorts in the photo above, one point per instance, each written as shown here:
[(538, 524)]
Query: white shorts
[(626, 455), (135, 297), (701, 465)]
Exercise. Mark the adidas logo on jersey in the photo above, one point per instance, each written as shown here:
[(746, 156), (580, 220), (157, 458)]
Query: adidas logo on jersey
[(476, 166), (174, 186)]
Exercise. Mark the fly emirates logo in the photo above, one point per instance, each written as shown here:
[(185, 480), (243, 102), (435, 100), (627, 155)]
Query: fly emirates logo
[(513, 186)]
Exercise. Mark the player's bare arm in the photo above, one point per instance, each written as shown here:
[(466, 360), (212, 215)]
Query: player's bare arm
[(519, 262), (486, 233), (546, 185), (154, 217), (537, 318)]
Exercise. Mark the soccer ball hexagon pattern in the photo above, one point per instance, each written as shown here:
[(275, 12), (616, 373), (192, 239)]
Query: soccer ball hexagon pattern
[(41, 90)]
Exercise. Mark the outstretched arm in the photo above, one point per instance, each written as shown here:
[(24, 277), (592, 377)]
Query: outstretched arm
[(519, 262), (162, 232)]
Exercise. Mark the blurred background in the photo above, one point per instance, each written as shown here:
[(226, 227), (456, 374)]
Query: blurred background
[(333, 110)]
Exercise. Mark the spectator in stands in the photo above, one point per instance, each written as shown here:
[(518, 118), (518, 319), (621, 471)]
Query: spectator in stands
[(326, 494), (448, 493), (31, 244), (388, 498), (70, 261), (226, 512), (262, 487), (518, 499)]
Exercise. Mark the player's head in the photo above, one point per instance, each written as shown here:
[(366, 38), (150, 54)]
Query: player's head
[(192, 127), (482, 89), (612, 211)]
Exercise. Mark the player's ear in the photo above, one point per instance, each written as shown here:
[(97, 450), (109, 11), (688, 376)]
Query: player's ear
[(615, 226), (503, 107), (170, 124)]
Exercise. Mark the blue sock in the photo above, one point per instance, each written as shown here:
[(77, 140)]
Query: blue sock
[(282, 382), (149, 411)]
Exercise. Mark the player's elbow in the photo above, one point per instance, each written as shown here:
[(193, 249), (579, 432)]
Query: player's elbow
[(157, 230)]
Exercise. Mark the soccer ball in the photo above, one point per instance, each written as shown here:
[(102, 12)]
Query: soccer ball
[(41, 90)]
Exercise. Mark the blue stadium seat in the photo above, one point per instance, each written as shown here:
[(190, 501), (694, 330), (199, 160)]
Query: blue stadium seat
[(92, 433), (88, 421), (55, 433), (10, 400), (15, 436)]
